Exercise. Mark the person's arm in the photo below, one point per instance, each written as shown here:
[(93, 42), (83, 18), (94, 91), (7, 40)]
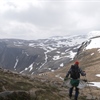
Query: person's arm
[(69, 71), (67, 75), (82, 72)]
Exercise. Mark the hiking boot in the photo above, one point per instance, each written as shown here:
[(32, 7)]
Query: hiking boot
[(75, 98)]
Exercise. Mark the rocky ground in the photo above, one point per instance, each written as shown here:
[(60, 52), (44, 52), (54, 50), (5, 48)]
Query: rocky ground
[(14, 86)]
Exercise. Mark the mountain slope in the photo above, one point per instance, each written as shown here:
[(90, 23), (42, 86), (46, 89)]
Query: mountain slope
[(38, 56)]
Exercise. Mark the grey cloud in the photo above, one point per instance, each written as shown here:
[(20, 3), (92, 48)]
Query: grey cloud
[(49, 14), (54, 18)]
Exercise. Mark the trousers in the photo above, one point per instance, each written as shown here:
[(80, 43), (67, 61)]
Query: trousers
[(76, 92)]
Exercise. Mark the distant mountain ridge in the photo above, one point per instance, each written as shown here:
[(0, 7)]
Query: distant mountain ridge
[(37, 56), (92, 43)]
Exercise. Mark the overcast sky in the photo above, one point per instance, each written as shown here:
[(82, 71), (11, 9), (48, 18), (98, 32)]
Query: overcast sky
[(33, 19)]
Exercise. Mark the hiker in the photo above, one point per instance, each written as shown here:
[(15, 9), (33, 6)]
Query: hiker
[(74, 73)]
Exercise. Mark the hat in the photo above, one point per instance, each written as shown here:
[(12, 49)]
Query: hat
[(77, 63)]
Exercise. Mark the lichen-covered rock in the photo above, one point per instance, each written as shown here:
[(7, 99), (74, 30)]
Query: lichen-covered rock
[(14, 95)]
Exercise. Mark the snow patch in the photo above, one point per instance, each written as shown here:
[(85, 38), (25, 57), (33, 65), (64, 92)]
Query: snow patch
[(52, 70), (24, 52), (51, 49), (72, 54), (16, 63), (61, 65), (46, 58), (28, 68), (59, 77), (31, 44), (18, 43), (92, 54), (56, 57), (32, 73), (98, 75), (49, 68), (96, 84), (57, 51), (63, 53), (98, 50), (95, 43)]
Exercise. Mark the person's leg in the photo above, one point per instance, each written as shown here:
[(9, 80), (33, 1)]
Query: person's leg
[(76, 93), (70, 92)]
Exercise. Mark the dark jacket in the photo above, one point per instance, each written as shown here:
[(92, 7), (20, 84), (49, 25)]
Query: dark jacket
[(74, 67)]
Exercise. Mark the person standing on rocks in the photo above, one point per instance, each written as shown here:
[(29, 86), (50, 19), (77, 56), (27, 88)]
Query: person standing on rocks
[(74, 73)]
